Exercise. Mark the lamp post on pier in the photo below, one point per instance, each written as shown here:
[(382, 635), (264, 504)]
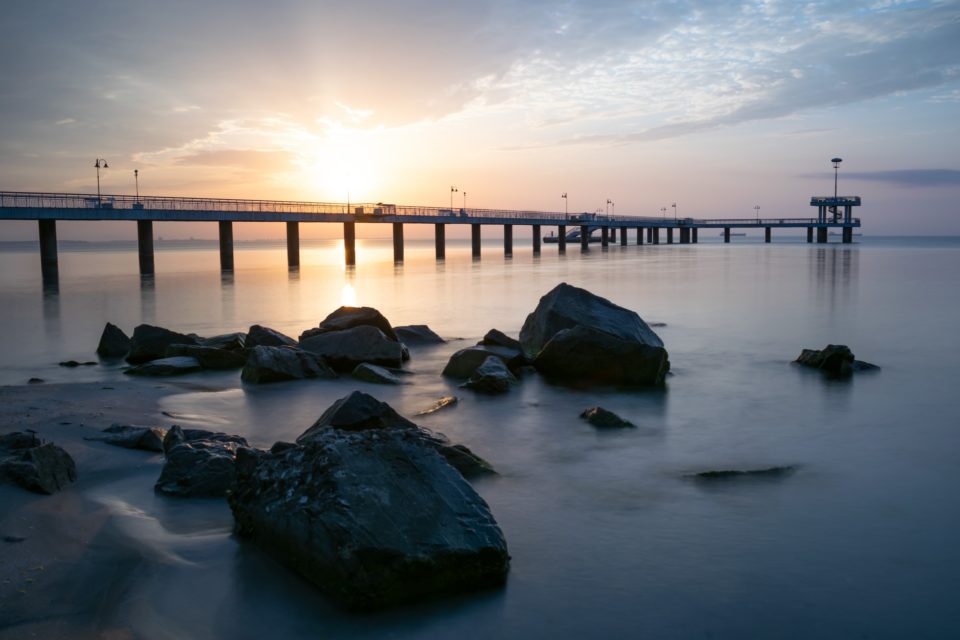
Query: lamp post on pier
[(756, 208), (564, 196), (99, 163), (609, 202), (674, 205), (836, 168), (464, 201), (136, 181), (663, 212), (453, 190)]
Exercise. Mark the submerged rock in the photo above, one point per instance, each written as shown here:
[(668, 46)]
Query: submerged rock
[(71, 364), (417, 335), (200, 464), (465, 362), (209, 357), (150, 343), (366, 509), (446, 401), (132, 437), (600, 417), (834, 359), (578, 336), (114, 343), (491, 377), (732, 474), (350, 317), (174, 366), (38, 466), (277, 364), (345, 349), (260, 336), (372, 373)]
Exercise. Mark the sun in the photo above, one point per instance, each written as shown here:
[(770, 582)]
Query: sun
[(343, 164)]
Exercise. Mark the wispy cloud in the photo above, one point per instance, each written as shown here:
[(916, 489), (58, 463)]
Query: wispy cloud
[(900, 177)]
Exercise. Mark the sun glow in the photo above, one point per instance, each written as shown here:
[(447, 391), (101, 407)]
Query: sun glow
[(348, 297), (343, 164)]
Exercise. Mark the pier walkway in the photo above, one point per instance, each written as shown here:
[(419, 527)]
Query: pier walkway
[(47, 208)]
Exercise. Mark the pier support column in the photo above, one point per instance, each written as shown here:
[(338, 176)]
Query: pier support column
[(49, 267), (613, 235), (809, 234), (226, 245), (145, 246), (350, 243), (766, 234), (669, 235), (507, 240), (440, 239), (604, 237), (821, 235), (639, 235), (847, 235), (584, 238), (475, 240), (293, 244), (623, 236), (536, 239), (650, 235), (726, 234), (655, 231), (695, 230), (398, 242), (562, 238)]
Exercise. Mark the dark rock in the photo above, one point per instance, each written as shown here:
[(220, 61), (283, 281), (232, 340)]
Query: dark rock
[(377, 375), (656, 324), (350, 317), (174, 366), (576, 335), (150, 343), (132, 437), (36, 381), (370, 513), (259, 336), (585, 354), (491, 377), (834, 359), (276, 364), (465, 461), (860, 365), (38, 466), (199, 469), (446, 401), (416, 335), (344, 350), (114, 343), (733, 474), (73, 363), (496, 338), (465, 362), (177, 435), (229, 341), (13, 539), (600, 417), (209, 357)]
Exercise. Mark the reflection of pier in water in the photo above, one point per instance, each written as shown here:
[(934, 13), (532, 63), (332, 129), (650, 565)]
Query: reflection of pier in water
[(48, 208), (835, 272)]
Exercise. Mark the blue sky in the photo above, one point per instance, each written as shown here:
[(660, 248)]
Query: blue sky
[(717, 106)]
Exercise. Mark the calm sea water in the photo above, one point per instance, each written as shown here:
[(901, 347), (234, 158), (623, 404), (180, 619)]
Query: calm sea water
[(608, 537)]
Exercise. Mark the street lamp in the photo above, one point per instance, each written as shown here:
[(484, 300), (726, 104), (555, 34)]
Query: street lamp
[(99, 163), (136, 180), (674, 205), (609, 202), (453, 190), (756, 208), (836, 168), (464, 200), (663, 212), (564, 196)]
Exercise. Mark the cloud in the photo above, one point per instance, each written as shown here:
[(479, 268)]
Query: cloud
[(250, 159), (900, 177)]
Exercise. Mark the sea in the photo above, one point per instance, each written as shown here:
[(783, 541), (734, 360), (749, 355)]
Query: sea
[(609, 533)]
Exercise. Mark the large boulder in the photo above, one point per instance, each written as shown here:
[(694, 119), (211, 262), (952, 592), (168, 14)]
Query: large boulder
[(276, 364), (150, 343), (465, 362), (344, 350), (114, 343), (492, 376), (200, 464), (177, 435), (577, 336), (265, 336), (229, 341), (28, 461), (132, 437), (497, 338), (362, 507), (350, 317), (416, 335), (208, 357), (173, 366)]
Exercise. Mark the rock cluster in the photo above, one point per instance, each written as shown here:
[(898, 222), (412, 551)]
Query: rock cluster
[(200, 463), (834, 359), (28, 461)]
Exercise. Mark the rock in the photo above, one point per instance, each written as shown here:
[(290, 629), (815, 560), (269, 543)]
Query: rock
[(377, 375), (446, 401), (365, 509), (38, 466), (266, 337), (344, 350), (36, 381), (350, 317), (114, 343), (174, 366), (70, 364), (416, 335), (732, 474), (276, 364), (834, 359), (199, 469), (860, 365), (600, 417), (491, 377), (583, 354), (150, 343), (230, 341), (177, 435), (132, 437), (465, 362), (496, 338), (209, 357)]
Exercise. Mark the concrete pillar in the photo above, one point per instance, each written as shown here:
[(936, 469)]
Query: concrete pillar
[(293, 244), (584, 238), (49, 267), (475, 240), (508, 240), (650, 235), (623, 236), (398, 242), (639, 235), (226, 245), (684, 235), (767, 234), (847, 235), (656, 235), (562, 238), (613, 235), (350, 243), (695, 230), (809, 234), (536, 239), (604, 236), (821, 235), (669, 235), (440, 239), (726, 234), (145, 246)]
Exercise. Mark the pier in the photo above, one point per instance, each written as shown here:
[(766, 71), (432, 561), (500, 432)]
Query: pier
[(833, 213)]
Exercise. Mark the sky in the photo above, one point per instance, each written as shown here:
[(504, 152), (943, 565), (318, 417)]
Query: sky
[(718, 107)]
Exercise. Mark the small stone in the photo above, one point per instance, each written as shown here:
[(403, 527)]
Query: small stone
[(600, 417), (731, 474), (36, 381)]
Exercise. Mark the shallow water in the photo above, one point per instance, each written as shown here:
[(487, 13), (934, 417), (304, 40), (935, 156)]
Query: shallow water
[(609, 537)]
